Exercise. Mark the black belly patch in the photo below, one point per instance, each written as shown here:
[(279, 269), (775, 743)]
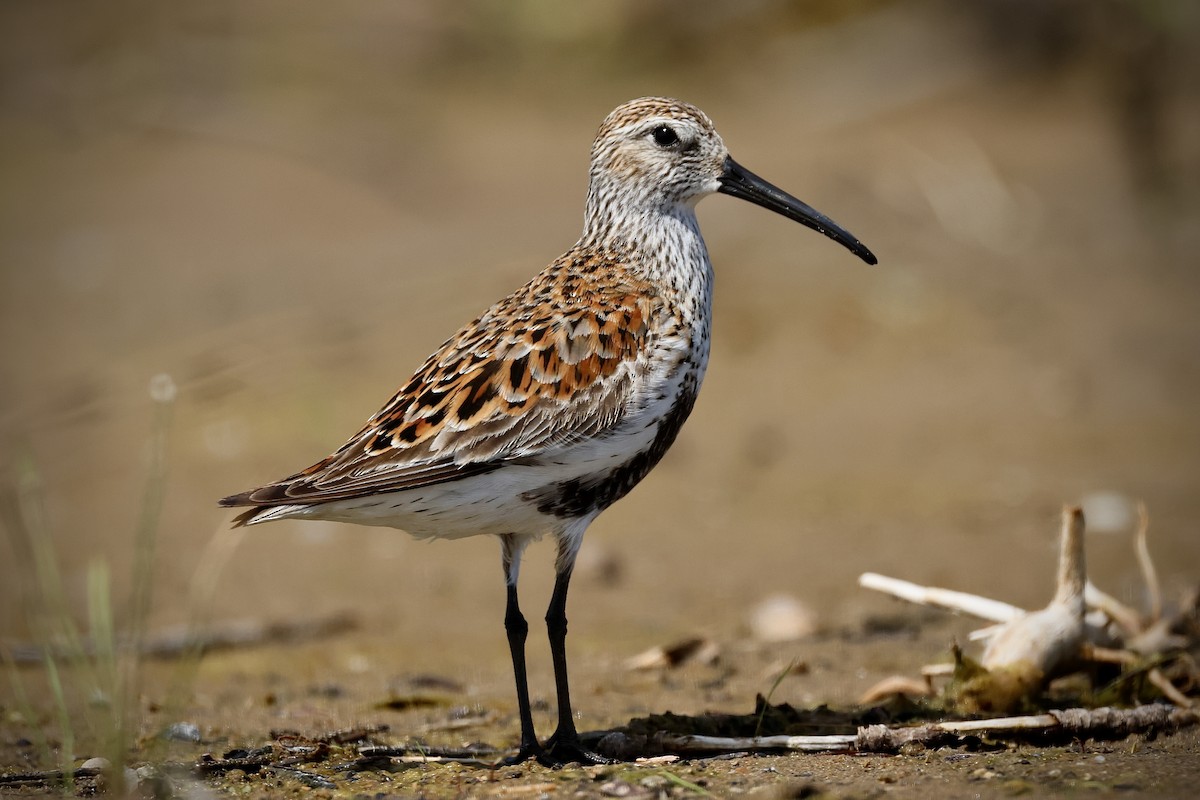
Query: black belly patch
[(582, 496)]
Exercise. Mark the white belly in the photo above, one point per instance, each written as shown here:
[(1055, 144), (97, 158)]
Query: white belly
[(513, 498), (493, 502)]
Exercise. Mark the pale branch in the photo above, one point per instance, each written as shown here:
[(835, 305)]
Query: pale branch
[(1066, 724), (1047, 643), (1164, 685), (1081, 624), (976, 606), (1146, 564), (1128, 620)]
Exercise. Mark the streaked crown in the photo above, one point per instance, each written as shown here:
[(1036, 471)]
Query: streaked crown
[(653, 153)]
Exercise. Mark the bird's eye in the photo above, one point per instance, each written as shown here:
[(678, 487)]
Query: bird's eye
[(665, 136)]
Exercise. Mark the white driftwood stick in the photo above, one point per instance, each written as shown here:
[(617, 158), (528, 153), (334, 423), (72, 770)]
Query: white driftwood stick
[(832, 743), (845, 742), (1081, 723), (983, 634), (1048, 641), (1027, 723), (1168, 689), (982, 607), (1126, 618), (937, 671), (1149, 573)]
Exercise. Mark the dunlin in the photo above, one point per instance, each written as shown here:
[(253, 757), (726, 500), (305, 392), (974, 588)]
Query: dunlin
[(558, 399)]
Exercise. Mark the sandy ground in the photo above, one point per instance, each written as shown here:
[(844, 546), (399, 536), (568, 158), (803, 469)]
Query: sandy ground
[(288, 239)]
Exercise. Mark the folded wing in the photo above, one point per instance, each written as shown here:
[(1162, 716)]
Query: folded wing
[(548, 366)]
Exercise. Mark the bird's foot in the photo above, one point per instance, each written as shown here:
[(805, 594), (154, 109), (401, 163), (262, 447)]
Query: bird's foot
[(563, 749), (557, 753), (527, 751)]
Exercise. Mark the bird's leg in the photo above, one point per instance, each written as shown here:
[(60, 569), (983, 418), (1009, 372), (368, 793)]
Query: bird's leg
[(564, 746), (518, 629)]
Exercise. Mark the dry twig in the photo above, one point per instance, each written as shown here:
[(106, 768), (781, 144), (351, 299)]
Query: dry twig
[(1053, 726)]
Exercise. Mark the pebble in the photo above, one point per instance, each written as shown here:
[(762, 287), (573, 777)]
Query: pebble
[(782, 618), (182, 732), (616, 788)]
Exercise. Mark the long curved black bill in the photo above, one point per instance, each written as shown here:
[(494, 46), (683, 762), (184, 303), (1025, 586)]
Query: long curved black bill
[(738, 181)]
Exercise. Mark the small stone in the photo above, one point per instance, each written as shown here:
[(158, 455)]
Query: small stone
[(782, 618), (182, 732), (1016, 787), (616, 788), (653, 781), (162, 388), (696, 650), (131, 780), (98, 763)]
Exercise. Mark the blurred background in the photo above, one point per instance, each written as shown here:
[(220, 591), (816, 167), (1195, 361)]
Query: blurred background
[(286, 206)]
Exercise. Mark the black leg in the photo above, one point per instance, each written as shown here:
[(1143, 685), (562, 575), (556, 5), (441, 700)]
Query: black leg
[(518, 629), (564, 746)]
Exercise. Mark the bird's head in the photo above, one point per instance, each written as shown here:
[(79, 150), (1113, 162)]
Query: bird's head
[(654, 154)]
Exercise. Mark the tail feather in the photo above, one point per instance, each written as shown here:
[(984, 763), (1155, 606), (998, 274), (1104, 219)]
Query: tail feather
[(257, 512), (246, 518)]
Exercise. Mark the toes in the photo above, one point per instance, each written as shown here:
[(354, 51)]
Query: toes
[(525, 754), (557, 753), (575, 753)]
